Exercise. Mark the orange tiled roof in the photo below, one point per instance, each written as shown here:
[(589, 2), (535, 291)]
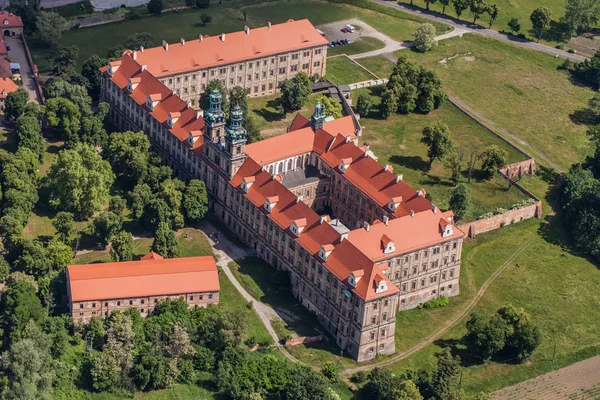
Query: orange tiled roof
[(148, 277), (7, 86), (281, 147), (152, 256), (238, 46), (10, 20)]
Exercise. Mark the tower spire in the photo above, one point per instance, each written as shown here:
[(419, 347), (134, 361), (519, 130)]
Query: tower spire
[(318, 117)]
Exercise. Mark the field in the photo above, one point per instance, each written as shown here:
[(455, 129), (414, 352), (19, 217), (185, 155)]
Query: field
[(379, 65), (343, 71), (229, 17), (397, 141), (520, 90), (362, 45)]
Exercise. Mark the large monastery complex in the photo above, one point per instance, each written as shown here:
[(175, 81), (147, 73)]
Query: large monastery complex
[(358, 242)]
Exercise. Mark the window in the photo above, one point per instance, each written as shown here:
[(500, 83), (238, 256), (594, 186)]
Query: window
[(282, 58), (118, 303), (204, 74), (210, 296), (178, 80), (383, 333), (385, 303), (372, 335), (282, 70), (413, 285), (452, 273), (406, 259), (191, 298), (306, 54), (405, 273), (317, 63), (374, 306), (294, 68), (435, 251), (81, 306), (143, 301), (106, 303), (318, 51), (454, 245), (232, 69), (384, 316), (294, 56), (373, 320), (305, 66), (93, 305), (130, 302), (155, 301)]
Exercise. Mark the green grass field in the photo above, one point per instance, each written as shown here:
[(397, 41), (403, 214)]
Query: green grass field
[(229, 17), (362, 45), (397, 141), (342, 71), (519, 89), (379, 65)]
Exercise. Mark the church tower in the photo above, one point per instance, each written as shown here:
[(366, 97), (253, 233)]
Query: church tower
[(214, 118), (235, 141), (318, 117)]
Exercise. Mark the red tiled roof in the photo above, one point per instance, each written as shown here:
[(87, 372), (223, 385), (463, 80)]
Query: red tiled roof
[(5, 71), (152, 256), (148, 277), (10, 20), (237, 46), (7, 86), (281, 147)]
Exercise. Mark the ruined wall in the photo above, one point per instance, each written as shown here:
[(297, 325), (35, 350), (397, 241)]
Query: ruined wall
[(497, 221)]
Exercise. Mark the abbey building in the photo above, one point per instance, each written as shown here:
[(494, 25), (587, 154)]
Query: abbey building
[(358, 242)]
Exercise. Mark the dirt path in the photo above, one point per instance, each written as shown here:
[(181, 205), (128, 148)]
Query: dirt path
[(467, 308), (580, 381)]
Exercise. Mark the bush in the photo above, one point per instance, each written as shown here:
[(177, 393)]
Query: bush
[(250, 342), (205, 18), (441, 301), (331, 370), (360, 377), (572, 51)]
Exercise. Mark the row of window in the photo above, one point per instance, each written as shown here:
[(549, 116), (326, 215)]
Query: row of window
[(142, 301)]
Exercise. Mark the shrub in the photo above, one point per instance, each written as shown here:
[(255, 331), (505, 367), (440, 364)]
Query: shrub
[(250, 342), (572, 51), (560, 46), (331, 370), (441, 301), (265, 342), (360, 377)]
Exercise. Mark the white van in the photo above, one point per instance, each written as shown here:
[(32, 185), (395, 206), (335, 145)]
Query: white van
[(349, 28)]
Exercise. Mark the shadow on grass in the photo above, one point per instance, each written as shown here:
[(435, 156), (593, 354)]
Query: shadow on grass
[(412, 162), (584, 116)]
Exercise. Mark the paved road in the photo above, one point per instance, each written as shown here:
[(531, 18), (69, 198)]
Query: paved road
[(468, 27), (17, 55), (227, 251)]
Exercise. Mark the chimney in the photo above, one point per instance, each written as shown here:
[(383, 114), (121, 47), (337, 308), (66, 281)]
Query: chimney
[(247, 29), (386, 220), (399, 177), (367, 226), (343, 236), (199, 114), (434, 208), (134, 55), (200, 37), (269, 25), (298, 199), (388, 168), (144, 66), (323, 218), (412, 213), (222, 37), (165, 45), (182, 40), (347, 139), (142, 49)]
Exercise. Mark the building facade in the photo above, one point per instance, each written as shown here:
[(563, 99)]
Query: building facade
[(255, 59), (98, 289), (359, 243)]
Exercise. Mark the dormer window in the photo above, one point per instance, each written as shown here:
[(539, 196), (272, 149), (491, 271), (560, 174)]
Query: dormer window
[(446, 227), (380, 283), (270, 203), (133, 83), (247, 182), (152, 100), (325, 251), (5, 22), (113, 66), (344, 164), (354, 277), (172, 119), (297, 226), (395, 203), (387, 244)]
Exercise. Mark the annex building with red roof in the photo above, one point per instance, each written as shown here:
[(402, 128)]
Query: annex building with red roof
[(257, 59), (99, 289), (358, 242)]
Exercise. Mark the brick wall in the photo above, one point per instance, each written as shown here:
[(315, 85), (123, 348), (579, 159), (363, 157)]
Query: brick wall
[(497, 221)]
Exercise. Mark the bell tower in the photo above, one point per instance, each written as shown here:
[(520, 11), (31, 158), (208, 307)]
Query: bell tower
[(235, 141), (318, 117), (215, 118)]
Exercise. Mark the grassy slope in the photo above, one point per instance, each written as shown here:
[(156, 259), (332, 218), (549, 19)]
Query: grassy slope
[(519, 89), (227, 18), (397, 141), (379, 65), (342, 71)]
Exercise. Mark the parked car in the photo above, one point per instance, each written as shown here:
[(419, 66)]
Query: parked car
[(340, 43), (8, 48), (345, 41), (350, 28), (333, 44)]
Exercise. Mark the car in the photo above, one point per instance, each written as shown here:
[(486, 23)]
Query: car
[(350, 28), (8, 48), (345, 41), (333, 44), (340, 43)]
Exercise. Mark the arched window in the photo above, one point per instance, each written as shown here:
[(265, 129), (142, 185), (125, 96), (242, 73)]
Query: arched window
[(271, 169), (280, 168), (290, 165)]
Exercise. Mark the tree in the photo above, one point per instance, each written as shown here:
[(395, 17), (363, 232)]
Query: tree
[(205, 18), (306, 385), (139, 39), (384, 385), (105, 226), (492, 11), (477, 7), (65, 60), (493, 158), (59, 255), (428, 2), (90, 70), (15, 103), (436, 136), (195, 200), (21, 304), (49, 27), (515, 25), (155, 7), (333, 108), (330, 370), (140, 197), (77, 94), (474, 156), (165, 242), (389, 103), (454, 161), (444, 4), (92, 129), (460, 6), (444, 381), (121, 247), (202, 3), (128, 153), (65, 227), (295, 92), (460, 200), (79, 181), (581, 15), (28, 133), (364, 104), (63, 116), (425, 37), (541, 18), (33, 259)]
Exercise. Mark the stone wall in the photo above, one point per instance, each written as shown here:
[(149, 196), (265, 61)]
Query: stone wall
[(303, 340), (518, 169), (497, 221)]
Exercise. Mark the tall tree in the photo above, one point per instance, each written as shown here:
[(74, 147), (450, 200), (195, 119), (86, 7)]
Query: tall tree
[(139, 39), (492, 11), (333, 108), (28, 134), (156, 6), (65, 60), (295, 91), (15, 103), (121, 247), (195, 200), (460, 200), (460, 6), (63, 117), (477, 7), (444, 381), (50, 27), (165, 242), (436, 136), (581, 15), (65, 227), (515, 25), (425, 37), (541, 19), (76, 94), (364, 105), (21, 305), (444, 4), (79, 181), (128, 153), (493, 158), (90, 70), (454, 161)]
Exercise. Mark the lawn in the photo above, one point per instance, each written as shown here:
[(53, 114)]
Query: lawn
[(397, 141), (379, 65), (521, 90), (362, 45), (558, 289), (228, 17), (343, 71), (520, 9)]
